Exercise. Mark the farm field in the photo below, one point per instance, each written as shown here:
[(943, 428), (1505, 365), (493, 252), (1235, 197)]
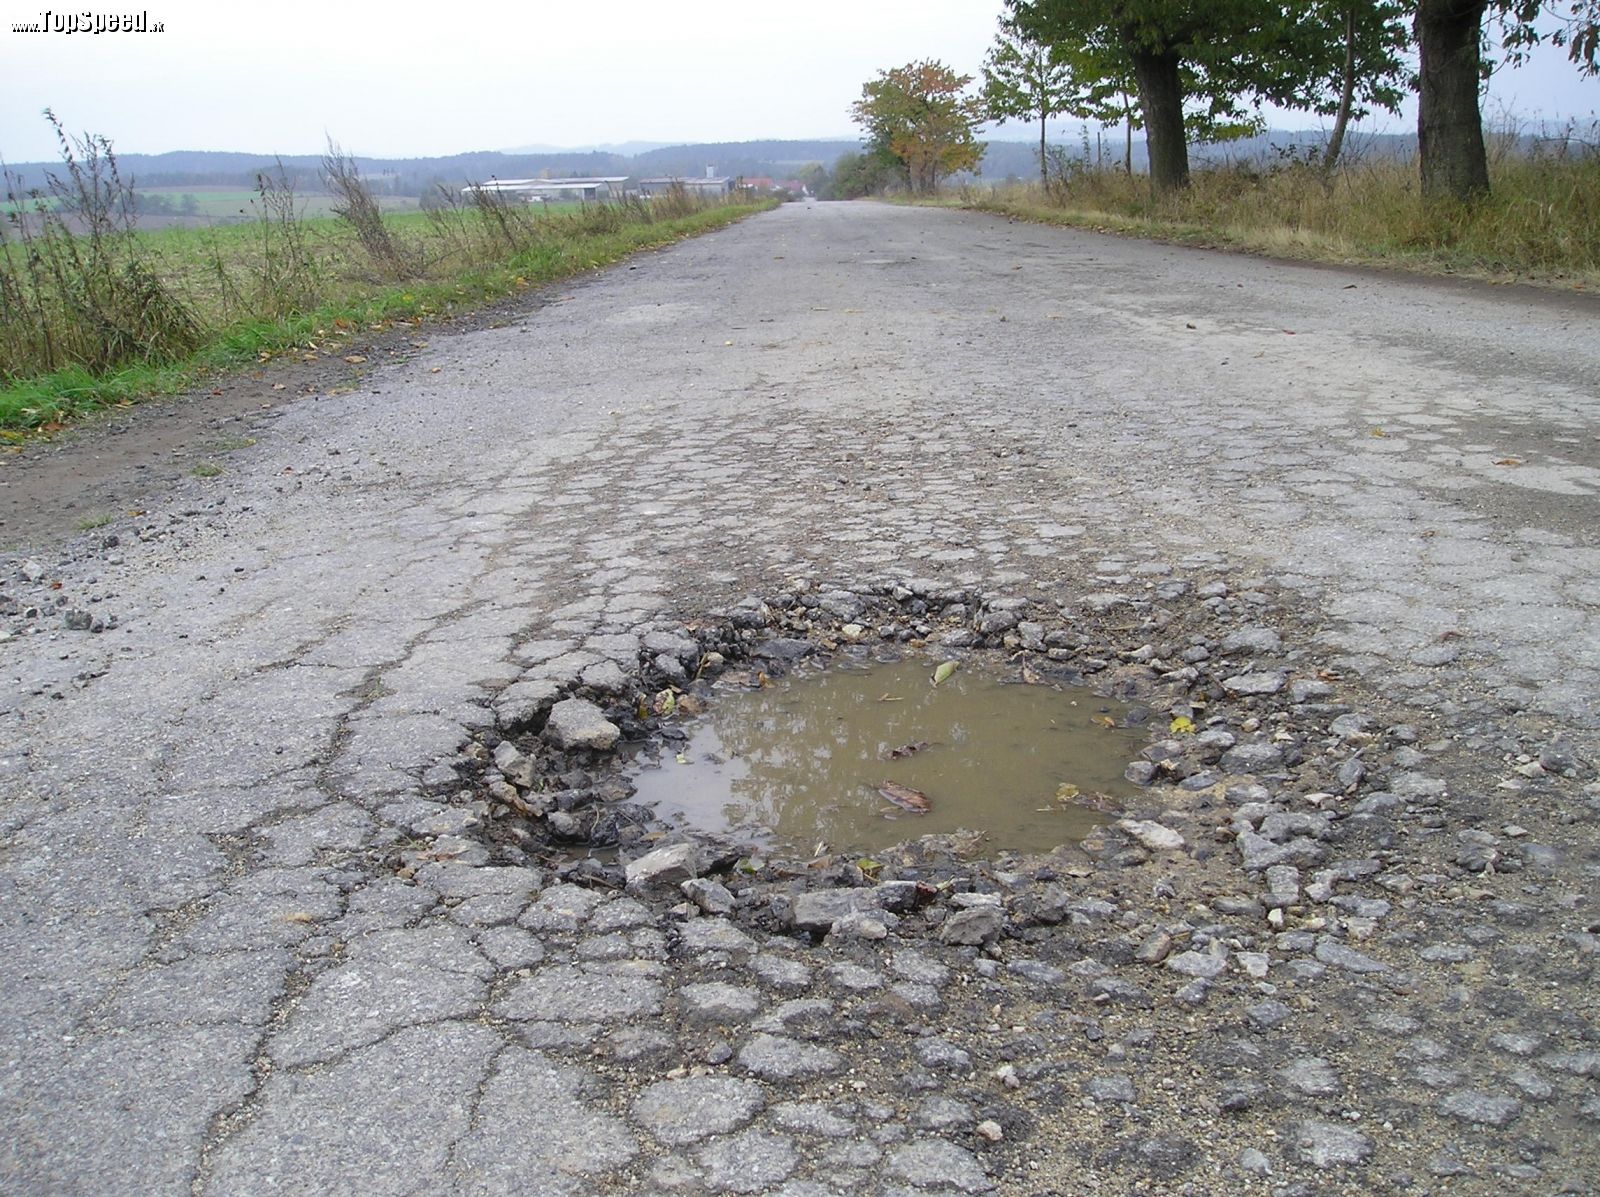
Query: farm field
[(101, 309)]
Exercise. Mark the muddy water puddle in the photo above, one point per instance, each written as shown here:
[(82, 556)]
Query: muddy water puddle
[(864, 756)]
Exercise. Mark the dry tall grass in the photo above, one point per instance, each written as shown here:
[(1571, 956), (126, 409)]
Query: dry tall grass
[(84, 292), (1541, 220)]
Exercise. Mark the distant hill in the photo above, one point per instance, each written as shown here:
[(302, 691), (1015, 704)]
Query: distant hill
[(1003, 158), (415, 176), (626, 148)]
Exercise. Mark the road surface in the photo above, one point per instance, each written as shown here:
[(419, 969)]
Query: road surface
[(218, 978)]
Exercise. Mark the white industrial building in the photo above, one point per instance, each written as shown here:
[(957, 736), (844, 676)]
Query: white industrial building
[(545, 190)]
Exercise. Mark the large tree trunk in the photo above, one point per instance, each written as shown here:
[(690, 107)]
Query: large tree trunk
[(1449, 124), (1347, 93), (1161, 98)]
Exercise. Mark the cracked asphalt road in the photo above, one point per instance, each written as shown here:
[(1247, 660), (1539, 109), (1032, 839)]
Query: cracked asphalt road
[(213, 981)]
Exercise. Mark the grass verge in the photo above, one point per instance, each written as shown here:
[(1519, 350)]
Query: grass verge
[(1540, 223), (49, 401), (96, 313)]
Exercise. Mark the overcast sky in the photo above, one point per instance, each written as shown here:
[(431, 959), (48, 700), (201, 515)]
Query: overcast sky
[(403, 79)]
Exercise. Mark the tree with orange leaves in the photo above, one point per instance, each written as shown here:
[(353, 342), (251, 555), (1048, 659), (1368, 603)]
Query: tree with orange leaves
[(921, 116)]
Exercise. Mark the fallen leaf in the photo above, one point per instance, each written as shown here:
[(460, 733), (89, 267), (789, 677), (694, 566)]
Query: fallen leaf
[(1066, 792), (905, 797), (355, 359), (1182, 725), (666, 702), (889, 698), (942, 674), (1377, 432), (1509, 461), (1104, 720)]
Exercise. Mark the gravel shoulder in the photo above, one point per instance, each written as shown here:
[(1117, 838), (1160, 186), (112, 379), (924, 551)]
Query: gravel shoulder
[(282, 911)]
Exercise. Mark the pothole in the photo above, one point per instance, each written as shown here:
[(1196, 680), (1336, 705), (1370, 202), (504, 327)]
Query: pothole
[(873, 748), (561, 780)]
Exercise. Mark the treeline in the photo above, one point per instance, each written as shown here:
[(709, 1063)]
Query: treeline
[(1182, 67), (417, 177), (1206, 71)]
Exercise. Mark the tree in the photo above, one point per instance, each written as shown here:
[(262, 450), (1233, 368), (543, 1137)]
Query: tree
[(1449, 122), (921, 116), (1375, 40), (1024, 79), (1203, 66), (855, 175), (1451, 67)]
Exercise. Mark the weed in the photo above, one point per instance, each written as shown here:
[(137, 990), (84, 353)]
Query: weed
[(77, 286), (206, 469), (90, 522), (94, 312)]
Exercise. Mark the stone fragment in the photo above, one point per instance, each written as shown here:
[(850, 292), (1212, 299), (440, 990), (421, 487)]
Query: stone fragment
[(973, 926), (1267, 1015), (565, 993), (1252, 639), (1152, 835), (1328, 1144), (560, 908), (1252, 758), (710, 896), (1111, 1088), (858, 925), (1205, 965), (775, 1058), (1311, 1076), (812, 1118), (1485, 1109), (942, 1113), (748, 1162), (1331, 951), (719, 1002), (605, 677), (578, 723), (780, 972), (714, 935), (942, 1055), (935, 1163), (694, 1108), (667, 865), (1254, 683)]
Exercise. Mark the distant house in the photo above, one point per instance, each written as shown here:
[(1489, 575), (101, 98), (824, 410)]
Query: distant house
[(711, 184), (545, 190)]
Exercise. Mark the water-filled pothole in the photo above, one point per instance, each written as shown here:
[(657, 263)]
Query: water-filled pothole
[(849, 756)]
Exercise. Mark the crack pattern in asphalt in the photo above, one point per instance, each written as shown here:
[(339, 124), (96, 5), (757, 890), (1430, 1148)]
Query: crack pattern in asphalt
[(217, 982)]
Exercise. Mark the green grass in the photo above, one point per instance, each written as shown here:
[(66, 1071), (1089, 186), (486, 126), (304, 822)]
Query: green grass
[(226, 278), (1540, 223), (90, 522), (206, 469), (230, 444)]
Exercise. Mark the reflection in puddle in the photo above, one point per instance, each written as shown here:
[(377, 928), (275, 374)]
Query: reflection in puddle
[(848, 756)]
